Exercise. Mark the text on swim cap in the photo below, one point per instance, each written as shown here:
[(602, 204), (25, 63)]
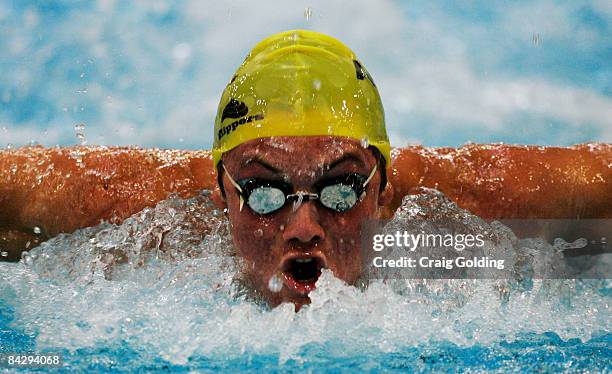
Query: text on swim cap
[(226, 130)]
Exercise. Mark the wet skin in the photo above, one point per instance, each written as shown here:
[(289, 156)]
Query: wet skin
[(46, 188), (271, 243)]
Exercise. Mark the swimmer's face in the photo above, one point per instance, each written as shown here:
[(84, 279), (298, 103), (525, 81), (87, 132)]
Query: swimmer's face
[(295, 245)]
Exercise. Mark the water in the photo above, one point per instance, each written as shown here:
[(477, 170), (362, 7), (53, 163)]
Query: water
[(307, 13), (161, 291)]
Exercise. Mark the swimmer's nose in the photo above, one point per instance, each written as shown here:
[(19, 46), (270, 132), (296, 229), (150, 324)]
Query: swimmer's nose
[(303, 225)]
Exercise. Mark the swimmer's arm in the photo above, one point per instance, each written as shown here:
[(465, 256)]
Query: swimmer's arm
[(512, 181), (45, 191), (46, 188)]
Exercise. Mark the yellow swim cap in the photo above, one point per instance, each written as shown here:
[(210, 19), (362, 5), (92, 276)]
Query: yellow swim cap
[(300, 83)]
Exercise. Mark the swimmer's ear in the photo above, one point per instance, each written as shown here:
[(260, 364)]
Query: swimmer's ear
[(386, 196), (218, 198)]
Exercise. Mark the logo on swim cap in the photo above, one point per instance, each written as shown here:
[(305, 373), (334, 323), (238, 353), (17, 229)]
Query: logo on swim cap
[(362, 73), (234, 109)]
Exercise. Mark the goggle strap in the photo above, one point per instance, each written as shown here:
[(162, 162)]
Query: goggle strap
[(366, 182), (300, 198), (298, 202), (233, 182), (370, 176)]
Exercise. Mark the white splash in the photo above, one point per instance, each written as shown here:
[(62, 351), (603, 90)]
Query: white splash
[(163, 281)]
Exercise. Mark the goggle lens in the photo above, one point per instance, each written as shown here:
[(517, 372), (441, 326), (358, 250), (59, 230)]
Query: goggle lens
[(338, 197), (264, 200)]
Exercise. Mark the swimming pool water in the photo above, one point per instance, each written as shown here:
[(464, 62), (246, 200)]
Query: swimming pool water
[(175, 305), (531, 352)]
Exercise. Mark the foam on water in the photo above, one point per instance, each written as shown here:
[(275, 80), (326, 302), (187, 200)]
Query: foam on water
[(163, 282)]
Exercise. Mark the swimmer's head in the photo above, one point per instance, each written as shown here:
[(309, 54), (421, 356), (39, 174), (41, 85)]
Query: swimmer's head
[(301, 152), (300, 83)]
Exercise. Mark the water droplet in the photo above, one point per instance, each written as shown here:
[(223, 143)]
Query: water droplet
[(36, 230), (80, 133), (182, 53), (275, 284), (536, 39), (307, 13), (4, 254), (282, 227), (560, 244), (316, 84), (27, 259), (365, 142), (258, 233), (172, 212)]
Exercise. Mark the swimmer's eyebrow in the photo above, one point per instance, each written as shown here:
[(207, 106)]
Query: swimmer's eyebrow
[(258, 160), (348, 157)]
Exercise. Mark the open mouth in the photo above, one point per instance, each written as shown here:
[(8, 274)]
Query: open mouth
[(301, 272)]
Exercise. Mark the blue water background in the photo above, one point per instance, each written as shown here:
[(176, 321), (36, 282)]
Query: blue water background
[(150, 73)]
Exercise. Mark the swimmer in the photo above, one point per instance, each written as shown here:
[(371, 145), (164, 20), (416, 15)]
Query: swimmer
[(301, 152), (300, 158)]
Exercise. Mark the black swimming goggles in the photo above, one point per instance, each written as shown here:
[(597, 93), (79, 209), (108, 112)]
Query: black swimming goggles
[(265, 196)]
